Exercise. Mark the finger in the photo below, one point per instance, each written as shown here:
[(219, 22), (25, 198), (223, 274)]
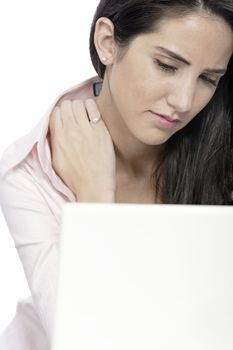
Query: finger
[(93, 112), (55, 127), (67, 114), (55, 123), (80, 113)]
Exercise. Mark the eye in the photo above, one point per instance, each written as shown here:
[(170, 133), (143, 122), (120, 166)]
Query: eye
[(165, 67), (209, 81), (170, 69)]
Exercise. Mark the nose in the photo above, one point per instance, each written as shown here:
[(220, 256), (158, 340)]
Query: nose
[(181, 96)]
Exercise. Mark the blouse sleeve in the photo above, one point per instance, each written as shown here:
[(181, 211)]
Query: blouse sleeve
[(35, 230)]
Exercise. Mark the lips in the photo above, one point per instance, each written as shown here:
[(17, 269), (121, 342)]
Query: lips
[(164, 121), (169, 119)]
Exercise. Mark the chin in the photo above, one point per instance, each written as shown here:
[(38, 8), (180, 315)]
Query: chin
[(154, 140)]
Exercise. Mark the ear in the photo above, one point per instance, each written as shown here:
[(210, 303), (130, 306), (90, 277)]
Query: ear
[(104, 40)]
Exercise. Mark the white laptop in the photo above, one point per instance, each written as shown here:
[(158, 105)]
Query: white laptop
[(145, 277)]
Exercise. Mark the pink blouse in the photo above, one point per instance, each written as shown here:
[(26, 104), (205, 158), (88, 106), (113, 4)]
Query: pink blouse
[(32, 197)]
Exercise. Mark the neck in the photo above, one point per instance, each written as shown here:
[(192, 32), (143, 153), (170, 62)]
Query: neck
[(132, 156)]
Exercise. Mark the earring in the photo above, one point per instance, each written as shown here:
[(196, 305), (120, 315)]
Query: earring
[(104, 59)]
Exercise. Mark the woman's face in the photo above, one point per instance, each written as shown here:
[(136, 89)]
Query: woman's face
[(150, 78)]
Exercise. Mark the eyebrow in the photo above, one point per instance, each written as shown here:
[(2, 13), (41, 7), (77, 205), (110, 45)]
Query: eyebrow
[(182, 59)]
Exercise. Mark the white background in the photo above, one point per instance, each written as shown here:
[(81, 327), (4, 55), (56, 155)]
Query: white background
[(44, 51)]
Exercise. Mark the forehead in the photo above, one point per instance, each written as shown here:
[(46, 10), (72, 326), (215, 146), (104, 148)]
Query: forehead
[(203, 38)]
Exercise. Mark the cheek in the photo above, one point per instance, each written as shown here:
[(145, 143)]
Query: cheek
[(145, 84), (136, 82), (144, 93), (134, 79), (201, 102)]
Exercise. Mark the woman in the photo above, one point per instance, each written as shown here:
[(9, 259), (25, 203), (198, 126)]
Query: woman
[(155, 126)]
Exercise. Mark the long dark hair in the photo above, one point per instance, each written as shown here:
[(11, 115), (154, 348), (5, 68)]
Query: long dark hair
[(197, 164)]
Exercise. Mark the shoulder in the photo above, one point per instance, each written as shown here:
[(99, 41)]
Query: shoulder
[(81, 91), (20, 149)]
